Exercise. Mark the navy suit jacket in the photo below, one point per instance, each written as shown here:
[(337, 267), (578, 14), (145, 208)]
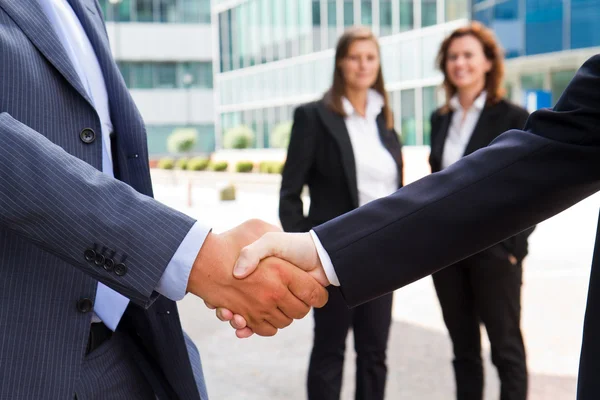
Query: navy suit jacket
[(522, 178), (55, 205)]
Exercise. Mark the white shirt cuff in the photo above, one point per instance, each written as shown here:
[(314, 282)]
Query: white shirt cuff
[(173, 283), (325, 260)]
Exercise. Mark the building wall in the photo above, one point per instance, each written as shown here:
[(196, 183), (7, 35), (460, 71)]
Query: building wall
[(272, 56), (163, 48)]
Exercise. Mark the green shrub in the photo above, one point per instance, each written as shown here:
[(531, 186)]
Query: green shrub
[(166, 163), (198, 164), (219, 166), (280, 135), (244, 166), (239, 137), (276, 167), (182, 140), (270, 167), (181, 163)]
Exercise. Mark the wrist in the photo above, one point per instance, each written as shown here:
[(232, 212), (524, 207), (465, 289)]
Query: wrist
[(207, 264)]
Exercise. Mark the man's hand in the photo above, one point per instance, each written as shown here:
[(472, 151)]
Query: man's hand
[(296, 248), (268, 300)]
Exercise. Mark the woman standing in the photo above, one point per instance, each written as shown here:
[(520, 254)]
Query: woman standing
[(345, 149), (487, 286)]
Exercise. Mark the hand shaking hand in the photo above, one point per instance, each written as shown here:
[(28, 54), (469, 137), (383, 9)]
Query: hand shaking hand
[(295, 248), (266, 300)]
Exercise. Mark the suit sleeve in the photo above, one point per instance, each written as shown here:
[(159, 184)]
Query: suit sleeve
[(299, 161), (521, 179), (68, 208)]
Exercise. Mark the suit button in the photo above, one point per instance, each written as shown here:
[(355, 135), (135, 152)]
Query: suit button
[(90, 255), (99, 261), (120, 269), (87, 136), (84, 305), (109, 264)]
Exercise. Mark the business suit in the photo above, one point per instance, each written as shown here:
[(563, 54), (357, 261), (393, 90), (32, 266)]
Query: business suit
[(321, 155), (64, 225), (523, 178), (486, 286)]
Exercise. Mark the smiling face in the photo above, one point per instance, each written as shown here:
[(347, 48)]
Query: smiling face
[(466, 64), (360, 67)]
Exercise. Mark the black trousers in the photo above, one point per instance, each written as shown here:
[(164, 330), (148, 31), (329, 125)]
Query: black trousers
[(371, 325), (484, 288)]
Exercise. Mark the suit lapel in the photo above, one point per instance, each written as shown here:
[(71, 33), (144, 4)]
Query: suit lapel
[(444, 126), (482, 135), (337, 128), (32, 20)]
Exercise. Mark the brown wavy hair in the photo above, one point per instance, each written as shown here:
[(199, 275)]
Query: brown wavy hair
[(492, 51), (333, 97)]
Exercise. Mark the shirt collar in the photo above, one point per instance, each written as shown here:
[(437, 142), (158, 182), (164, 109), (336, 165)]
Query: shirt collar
[(374, 104), (479, 102)]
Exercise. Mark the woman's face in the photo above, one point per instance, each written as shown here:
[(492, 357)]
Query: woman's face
[(360, 67), (466, 64)]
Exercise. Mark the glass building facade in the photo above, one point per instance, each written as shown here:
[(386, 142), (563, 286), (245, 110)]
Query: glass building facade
[(545, 41), (529, 27), (275, 55), (166, 11), (167, 75)]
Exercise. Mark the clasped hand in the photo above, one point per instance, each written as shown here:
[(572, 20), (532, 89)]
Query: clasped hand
[(267, 292)]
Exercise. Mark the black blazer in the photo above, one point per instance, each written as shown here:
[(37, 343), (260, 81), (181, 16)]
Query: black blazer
[(524, 177), (494, 120), (320, 155)]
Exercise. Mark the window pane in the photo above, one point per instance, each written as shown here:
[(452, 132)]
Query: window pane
[(585, 15), (406, 15), (560, 80), (316, 25), (167, 11), (532, 81), (543, 26), (366, 13), (456, 9), (125, 69), (143, 9), (348, 12), (166, 75), (385, 17), (428, 12), (143, 76)]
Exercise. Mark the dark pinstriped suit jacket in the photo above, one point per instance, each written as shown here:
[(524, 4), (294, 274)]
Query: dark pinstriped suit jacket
[(55, 204)]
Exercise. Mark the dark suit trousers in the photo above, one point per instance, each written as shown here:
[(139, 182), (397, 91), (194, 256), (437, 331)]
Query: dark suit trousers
[(486, 289), (371, 325)]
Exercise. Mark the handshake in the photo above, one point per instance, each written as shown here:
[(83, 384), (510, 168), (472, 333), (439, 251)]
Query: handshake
[(259, 278)]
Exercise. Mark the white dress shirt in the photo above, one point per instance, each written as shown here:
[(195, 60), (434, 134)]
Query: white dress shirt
[(461, 129), (109, 305), (376, 171)]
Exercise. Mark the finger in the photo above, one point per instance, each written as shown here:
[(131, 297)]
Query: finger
[(292, 307), (307, 289), (278, 319), (264, 328), (244, 333), (238, 322), (251, 255), (209, 305), (224, 314)]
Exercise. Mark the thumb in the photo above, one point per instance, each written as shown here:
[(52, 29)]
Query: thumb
[(251, 255)]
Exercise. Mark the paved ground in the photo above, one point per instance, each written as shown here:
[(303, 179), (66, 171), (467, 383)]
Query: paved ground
[(554, 292)]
